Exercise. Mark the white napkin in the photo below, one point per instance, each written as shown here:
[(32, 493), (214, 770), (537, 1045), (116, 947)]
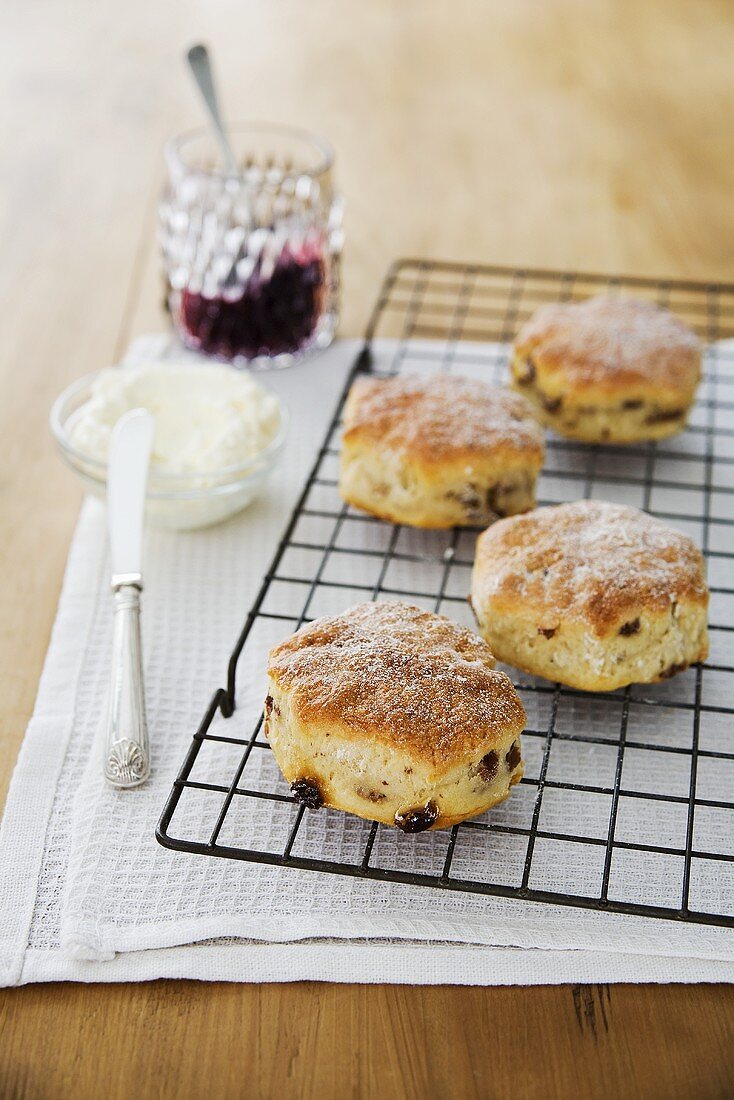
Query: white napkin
[(88, 894)]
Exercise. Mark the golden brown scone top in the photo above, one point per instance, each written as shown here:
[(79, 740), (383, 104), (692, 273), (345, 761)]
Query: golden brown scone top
[(612, 343), (592, 562), (393, 673), (440, 417)]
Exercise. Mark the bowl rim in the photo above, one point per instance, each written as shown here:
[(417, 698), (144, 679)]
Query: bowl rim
[(166, 484)]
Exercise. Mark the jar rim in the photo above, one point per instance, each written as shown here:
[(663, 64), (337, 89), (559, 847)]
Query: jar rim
[(176, 161)]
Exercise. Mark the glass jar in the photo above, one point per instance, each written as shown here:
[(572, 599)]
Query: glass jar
[(252, 258)]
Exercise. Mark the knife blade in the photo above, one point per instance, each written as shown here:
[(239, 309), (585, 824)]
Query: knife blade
[(127, 478), (127, 751)]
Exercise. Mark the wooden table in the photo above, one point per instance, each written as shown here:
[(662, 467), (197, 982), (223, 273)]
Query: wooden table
[(570, 133)]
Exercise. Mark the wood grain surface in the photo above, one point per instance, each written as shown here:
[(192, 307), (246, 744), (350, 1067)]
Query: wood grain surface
[(592, 134)]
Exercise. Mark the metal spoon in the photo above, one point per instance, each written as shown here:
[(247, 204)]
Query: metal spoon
[(201, 67)]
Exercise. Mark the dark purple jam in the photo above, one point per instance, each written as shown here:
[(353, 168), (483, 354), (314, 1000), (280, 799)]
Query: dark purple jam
[(272, 316)]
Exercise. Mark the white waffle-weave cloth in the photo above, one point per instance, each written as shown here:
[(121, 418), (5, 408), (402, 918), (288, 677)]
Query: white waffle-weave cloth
[(89, 895)]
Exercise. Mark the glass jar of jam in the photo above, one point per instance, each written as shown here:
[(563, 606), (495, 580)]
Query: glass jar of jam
[(251, 257)]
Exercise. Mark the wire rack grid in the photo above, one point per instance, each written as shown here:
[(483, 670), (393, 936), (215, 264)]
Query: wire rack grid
[(626, 804)]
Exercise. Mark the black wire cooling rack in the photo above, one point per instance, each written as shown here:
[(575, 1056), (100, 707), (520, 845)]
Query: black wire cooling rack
[(626, 804)]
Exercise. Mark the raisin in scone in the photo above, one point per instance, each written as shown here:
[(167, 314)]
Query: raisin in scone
[(592, 595), (394, 714), (440, 451), (608, 370)]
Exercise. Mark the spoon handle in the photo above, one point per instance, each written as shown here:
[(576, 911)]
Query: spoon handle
[(201, 67)]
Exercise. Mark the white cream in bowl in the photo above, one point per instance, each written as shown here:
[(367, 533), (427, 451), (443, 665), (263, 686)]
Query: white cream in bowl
[(218, 435), (207, 416)]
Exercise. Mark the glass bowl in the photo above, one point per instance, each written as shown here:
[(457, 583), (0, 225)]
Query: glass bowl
[(179, 502)]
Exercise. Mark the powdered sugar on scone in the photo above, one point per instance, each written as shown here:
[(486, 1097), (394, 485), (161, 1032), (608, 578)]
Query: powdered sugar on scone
[(394, 673), (590, 560), (612, 342), (592, 595), (441, 416)]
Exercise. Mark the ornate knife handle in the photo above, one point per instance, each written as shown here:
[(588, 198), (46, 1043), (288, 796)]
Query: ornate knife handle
[(127, 752)]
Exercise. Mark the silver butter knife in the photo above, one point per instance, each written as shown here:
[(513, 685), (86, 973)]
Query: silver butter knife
[(127, 751)]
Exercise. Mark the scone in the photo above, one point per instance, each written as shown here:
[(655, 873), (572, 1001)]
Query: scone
[(608, 370), (394, 714), (441, 451), (592, 595)]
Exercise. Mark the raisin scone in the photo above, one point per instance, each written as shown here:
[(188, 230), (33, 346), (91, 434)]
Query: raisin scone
[(592, 595), (394, 714), (439, 451), (608, 370)]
